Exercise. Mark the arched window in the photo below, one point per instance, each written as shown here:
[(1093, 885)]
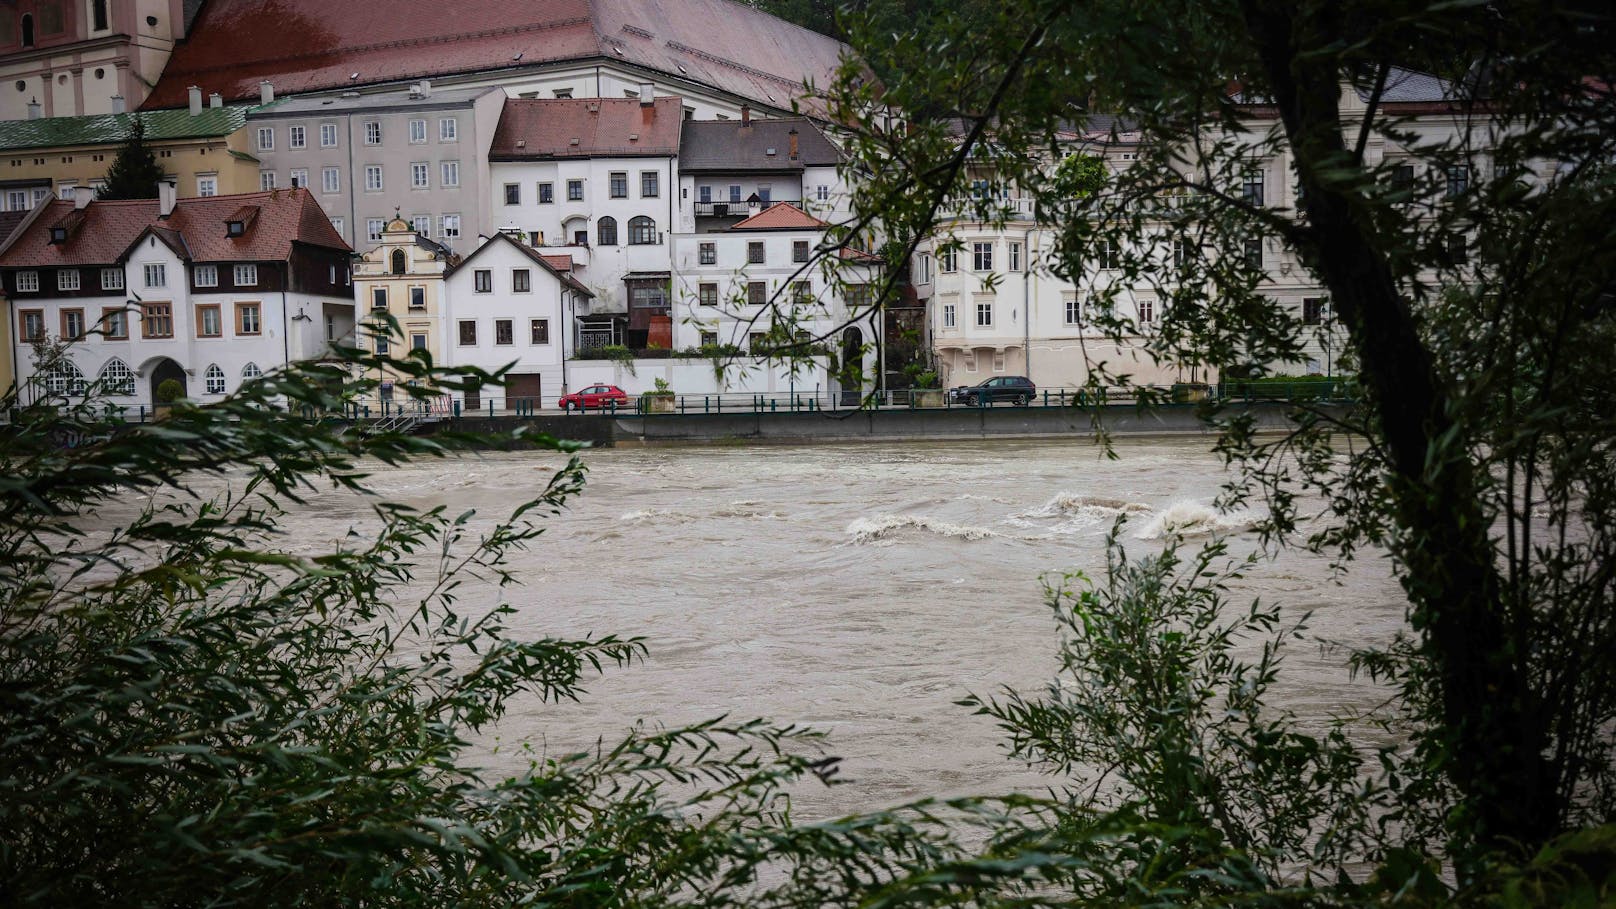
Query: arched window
[(251, 371), (65, 379), (27, 30), (98, 15), (642, 232), (398, 262), (117, 378), (606, 230), (214, 379)]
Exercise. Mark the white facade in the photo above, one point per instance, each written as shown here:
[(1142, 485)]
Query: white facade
[(216, 340), (506, 308)]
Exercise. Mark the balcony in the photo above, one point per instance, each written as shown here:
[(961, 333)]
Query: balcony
[(728, 209)]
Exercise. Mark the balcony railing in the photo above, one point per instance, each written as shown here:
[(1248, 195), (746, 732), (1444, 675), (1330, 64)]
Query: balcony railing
[(735, 209)]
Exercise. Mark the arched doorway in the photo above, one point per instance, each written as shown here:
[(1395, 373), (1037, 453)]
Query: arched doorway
[(162, 371), (850, 374)]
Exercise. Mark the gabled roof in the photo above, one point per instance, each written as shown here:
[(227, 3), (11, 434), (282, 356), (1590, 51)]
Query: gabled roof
[(542, 261), (536, 129), (781, 216), (731, 146), (317, 45), (113, 129), (195, 230)]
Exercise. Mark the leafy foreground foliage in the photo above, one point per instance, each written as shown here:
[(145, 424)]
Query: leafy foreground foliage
[(196, 709)]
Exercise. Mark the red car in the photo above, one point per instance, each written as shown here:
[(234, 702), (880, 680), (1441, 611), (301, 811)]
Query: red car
[(595, 397)]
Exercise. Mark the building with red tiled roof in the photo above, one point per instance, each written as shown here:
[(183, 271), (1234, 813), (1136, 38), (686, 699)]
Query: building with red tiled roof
[(780, 216), (208, 292), (716, 53)]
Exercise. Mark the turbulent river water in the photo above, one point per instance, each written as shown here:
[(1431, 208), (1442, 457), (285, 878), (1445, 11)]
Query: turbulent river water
[(860, 589)]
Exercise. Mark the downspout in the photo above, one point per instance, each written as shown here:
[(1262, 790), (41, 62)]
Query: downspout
[(286, 335), (561, 332), (1026, 302), (353, 197)]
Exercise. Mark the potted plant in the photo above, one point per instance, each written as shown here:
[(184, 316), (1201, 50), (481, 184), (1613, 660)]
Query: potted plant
[(168, 391), (658, 400), (927, 390)]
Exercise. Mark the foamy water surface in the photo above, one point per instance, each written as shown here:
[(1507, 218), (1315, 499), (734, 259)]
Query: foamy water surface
[(860, 589)]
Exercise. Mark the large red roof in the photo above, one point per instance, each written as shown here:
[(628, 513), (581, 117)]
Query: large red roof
[(103, 232), (543, 128), (315, 45)]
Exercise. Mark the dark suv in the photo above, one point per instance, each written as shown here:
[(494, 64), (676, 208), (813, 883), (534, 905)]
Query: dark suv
[(1018, 390)]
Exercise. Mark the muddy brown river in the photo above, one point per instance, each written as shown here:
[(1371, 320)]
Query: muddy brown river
[(860, 589)]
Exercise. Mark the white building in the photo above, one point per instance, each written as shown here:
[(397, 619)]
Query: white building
[(509, 306), (594, 179), (208, 292)]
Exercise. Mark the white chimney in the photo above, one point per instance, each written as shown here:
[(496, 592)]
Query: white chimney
[(167, 194), (118, 105), (266, 92), (647, 94), (426, 88), (196, 100), (216, 100), (34, 110), (82, 196)]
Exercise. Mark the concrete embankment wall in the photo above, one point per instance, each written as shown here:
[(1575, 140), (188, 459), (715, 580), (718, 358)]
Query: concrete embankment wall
[(880, 425)]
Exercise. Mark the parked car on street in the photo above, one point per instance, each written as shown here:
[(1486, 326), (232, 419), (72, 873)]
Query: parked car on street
[(1018, 390), (595, 397)]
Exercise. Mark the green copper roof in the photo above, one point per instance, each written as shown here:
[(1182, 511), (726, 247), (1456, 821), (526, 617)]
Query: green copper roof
[(112, 129)]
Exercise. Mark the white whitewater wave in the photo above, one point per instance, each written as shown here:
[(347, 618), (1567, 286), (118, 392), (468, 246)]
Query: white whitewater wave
[(1072, 512), (870, 530), (1194, 519), (660, 515)]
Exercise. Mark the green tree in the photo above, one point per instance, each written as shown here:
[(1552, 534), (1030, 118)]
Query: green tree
[(1478, 458), (134, 173)]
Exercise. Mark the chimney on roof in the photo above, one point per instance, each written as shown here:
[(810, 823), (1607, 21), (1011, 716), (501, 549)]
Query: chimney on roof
[(118, 105), (216, 100), (746, 115), (426, 88), (266, 92), (167, 195), (792, 147), (647, 94), (196, 100), (82, 196), (34, 110)]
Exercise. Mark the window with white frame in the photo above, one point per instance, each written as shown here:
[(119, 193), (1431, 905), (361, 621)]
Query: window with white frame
[(1013, 255), (205, 275), (417, 132), (984, 313), (373, 229), (251, 371), (945, 261), (297, 137), (328, 135), (16, 200), (373, 132), (340, 225), (246, 275), (373, 178), (449, 174), (33, 325), (1074, 310), (331, 179), (207, 185), (950, 317), (417, 298), (981, 256), (214, 379), (266, 180), (67, 279), (156, 274), (1147, 311), (450, 227), (117, 378), (65, 189), (448, 130), (112, 279), (421, 224), (28, 282), (420, 176), (1251, 188), (266, 138), (300, 177)]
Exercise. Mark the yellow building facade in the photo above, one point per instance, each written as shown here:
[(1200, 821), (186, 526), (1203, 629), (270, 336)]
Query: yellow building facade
[(206, 150), (402, 277)]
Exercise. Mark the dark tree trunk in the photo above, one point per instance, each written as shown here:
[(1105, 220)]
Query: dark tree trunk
[(1493, 735)]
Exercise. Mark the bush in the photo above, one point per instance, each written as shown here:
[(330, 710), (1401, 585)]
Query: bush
[(169, 391)]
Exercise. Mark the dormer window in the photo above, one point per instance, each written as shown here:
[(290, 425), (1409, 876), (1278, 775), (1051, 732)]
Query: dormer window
[(235, 228), (58, 235), (246, 275)]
